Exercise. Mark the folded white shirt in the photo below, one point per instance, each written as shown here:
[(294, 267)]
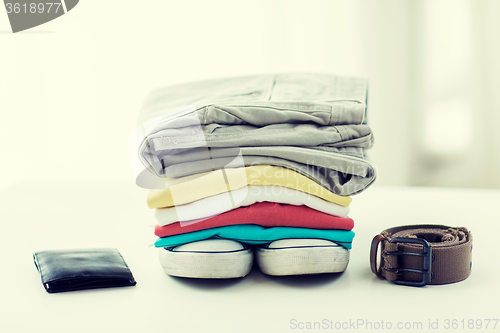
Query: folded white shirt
[(245, 196)]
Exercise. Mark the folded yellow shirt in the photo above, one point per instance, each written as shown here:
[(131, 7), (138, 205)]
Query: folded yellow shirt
[(187, 189)]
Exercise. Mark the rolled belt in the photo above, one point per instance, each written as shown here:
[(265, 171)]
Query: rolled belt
[(418, 255)]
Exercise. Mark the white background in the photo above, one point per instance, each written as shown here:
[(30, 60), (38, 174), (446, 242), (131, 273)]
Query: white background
[(71, 89)]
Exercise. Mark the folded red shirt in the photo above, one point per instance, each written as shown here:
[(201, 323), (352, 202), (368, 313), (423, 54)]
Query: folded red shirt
[(266, 214)]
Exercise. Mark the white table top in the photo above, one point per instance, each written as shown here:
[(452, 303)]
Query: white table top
[(44, 216)]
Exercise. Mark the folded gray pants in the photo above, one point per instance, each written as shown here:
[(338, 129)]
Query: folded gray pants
[(312, 123)]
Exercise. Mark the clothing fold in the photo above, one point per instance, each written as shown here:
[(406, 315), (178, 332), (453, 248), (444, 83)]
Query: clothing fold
[(302, 121), (255, 234), (265, 214), (188, 189), (242, 197)]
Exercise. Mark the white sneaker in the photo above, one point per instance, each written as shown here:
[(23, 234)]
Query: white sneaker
[(302, 256), (208, 259)]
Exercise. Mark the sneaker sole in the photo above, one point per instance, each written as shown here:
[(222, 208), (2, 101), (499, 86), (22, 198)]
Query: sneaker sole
[(207, 265), (302, 260)]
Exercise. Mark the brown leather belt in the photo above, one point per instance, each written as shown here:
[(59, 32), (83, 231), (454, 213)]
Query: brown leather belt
[(417, 255)]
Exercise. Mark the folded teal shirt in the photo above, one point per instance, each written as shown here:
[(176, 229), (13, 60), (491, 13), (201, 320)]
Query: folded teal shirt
[(255, 234)]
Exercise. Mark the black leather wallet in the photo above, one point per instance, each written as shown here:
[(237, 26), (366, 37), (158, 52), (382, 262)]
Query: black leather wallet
[(68, 270)]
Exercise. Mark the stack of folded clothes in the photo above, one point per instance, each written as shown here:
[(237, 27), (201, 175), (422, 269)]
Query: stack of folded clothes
[(262, 164)]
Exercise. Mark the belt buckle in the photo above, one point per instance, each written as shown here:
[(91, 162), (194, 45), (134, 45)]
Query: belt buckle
[(426, 265)]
